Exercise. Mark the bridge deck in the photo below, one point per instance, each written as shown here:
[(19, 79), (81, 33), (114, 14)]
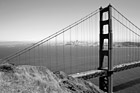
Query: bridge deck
[(96, 73)]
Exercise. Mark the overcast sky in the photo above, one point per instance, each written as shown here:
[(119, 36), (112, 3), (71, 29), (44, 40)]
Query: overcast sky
[(27, 20)]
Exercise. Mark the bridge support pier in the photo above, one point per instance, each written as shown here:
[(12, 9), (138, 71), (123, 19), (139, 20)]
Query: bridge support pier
[(105, 82)]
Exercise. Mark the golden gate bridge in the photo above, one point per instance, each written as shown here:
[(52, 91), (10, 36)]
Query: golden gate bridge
[(97, 45)]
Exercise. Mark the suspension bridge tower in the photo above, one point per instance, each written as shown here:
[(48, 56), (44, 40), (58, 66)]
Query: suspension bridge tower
[(105, 82)]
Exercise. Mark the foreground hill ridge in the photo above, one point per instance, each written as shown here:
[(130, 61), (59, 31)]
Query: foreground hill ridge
[(39, 79)]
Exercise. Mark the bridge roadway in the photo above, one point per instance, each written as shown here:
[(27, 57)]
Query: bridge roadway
[(98, 73)]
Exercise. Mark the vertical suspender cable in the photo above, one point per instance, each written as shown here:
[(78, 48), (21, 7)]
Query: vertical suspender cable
[(70, 53), (63, 51)]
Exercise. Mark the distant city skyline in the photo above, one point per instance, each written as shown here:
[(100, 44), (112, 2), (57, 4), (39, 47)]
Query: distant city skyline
[(33, 20)]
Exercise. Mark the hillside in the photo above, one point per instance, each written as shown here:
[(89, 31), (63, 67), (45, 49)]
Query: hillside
[(126, 44), (37, 79)]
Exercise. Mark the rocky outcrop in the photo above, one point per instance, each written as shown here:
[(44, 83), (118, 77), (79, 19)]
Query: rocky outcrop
[(37, 79)]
